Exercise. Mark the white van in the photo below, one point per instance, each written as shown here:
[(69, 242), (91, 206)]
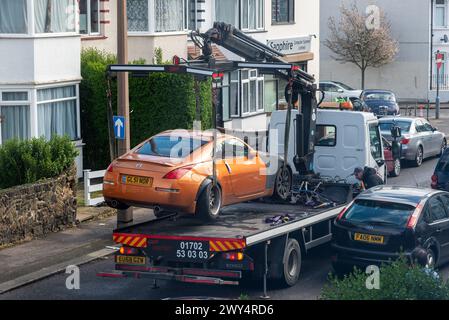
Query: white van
[(344, 140)]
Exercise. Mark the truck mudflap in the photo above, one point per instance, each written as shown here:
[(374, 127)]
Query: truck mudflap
[(187, 275)]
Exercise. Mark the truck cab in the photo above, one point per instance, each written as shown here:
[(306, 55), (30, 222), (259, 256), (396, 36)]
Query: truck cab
[(343, 141)]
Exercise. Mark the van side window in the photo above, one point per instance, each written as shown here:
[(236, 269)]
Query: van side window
[(375, 143), (326, 136)]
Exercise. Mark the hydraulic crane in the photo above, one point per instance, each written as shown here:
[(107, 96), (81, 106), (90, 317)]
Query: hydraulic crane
[(300, 91)]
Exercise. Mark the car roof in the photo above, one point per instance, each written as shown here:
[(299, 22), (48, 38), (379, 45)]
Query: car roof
[(399, 194), (204, 135)]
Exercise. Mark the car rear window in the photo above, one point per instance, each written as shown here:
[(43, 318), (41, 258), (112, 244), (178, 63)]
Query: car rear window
[(384, 96), (379, 212), (171, 146), (386, 126)]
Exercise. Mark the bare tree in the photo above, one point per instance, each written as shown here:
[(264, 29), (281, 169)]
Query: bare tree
[(364, 40)]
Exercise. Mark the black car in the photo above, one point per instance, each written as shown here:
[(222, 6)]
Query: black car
[(386, 221), (440, 178), (381, 102)]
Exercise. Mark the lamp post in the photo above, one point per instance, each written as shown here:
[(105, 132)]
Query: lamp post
[(439, 62)]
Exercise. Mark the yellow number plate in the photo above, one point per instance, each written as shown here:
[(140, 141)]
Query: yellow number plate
[(130, 260), (368, 238), (139, 181)]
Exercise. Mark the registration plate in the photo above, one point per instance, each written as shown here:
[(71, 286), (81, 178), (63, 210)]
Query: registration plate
[(134, 260), (368, 238), (186, 251), (136, 180)]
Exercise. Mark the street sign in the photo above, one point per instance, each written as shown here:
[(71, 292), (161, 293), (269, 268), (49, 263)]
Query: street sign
[(439, 60), (119, 127)]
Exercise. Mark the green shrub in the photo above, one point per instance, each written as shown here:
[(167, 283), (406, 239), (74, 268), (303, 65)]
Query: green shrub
[(158, 102), (28, 161), (398, 281)]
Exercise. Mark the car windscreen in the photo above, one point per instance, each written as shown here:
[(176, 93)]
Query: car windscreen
[(443, 164), (384, 96), (385, 126), (170, 146), (374, 212), (344, 86)]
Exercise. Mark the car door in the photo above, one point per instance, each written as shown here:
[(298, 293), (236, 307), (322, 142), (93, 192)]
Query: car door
[(224, 173), (376, 154), (438, 217), (245, 169), (423, 135), (434, 138)]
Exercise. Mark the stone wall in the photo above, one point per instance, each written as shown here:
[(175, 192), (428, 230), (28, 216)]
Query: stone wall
[(33, 210)]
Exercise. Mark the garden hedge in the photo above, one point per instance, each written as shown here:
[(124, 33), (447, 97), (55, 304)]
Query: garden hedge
[(158, 102)]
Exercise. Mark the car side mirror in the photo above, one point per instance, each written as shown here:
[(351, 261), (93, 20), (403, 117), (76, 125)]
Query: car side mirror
[(434, 129)]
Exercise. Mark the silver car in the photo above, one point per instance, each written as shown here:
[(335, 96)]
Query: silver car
[(420, 140), (334, 90)]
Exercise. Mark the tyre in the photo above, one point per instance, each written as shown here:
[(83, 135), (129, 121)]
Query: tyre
[(117, 205), (443, 146), (291, 264), (396, 168), (431, 259), (209, 203), (419, 157), (283, 184)]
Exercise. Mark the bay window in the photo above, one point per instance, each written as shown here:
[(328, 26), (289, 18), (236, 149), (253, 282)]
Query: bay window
[(169, 15), (13, 17), (89, 16), (56, 112), (283, 11), (54, 16), (252, 92), (244, 14), (14, 115), (137, 11), (234, 93)]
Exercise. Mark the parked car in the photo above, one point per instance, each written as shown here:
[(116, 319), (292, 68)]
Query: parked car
[(420, 140), (393, 163), (386, 221), (381, 102), (440, 178), (171, 172), (359, 105), (334, 90)]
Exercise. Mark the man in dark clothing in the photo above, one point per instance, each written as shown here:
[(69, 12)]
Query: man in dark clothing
[(368, 177)]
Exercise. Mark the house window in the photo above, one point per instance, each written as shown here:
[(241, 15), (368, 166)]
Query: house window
[(440, 13), (252, 92), (169, 15), (192, 14), (244, 14), (137, 11), (54, 16), (270, 93), (56, 112), (14, 115), (283, 11), (225, 97), (89, 16), (13, 16), (234, 93)]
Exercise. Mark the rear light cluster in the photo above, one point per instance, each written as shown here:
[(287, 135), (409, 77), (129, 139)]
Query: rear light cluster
[(128, 250), (110, 168), (178, 173), (434, 183), (405, 141), (413, 220), (233, 256)]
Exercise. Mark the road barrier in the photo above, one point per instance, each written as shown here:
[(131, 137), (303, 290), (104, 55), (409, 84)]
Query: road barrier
[(90, 188)]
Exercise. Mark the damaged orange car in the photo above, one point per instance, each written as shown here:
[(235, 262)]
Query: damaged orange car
[(172, 172)]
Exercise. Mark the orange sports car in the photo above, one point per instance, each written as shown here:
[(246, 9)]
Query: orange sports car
[(172, 171)]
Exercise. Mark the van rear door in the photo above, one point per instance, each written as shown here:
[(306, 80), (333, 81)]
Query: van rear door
[(375, 150)]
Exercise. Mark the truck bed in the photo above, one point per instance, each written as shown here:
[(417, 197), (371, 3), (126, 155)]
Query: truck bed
[(241, 221)]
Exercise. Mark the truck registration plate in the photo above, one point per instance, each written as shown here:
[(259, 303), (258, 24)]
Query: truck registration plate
[(180, 250)]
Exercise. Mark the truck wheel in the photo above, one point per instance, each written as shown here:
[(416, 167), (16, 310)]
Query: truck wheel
[(283, 184), (209, 203), (291, 263)]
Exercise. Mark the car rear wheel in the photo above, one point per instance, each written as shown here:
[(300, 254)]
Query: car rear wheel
[(209, 203), (419, 157), (431, 259), (396, 168), (283, 184), (291, 263)]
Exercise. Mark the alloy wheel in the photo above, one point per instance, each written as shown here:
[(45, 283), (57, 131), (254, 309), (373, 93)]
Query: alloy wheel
[(283, 183), (214, 200)]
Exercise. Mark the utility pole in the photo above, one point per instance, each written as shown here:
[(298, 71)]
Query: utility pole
[(123, 216)]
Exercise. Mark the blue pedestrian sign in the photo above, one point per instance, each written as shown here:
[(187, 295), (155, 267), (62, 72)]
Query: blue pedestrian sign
[(119, 127)]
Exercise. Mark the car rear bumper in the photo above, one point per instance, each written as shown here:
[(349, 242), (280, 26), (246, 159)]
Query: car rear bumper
[(363, 258)]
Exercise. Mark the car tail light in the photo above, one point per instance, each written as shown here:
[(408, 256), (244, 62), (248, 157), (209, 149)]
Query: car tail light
[(342, 212), (405, 141), (434, 181), (233, 256), (413, 220), (128, 250), (178, 173), (110, 168)]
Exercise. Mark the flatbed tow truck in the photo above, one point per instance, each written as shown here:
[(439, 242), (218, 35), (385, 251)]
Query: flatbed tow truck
[(261, 240)]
